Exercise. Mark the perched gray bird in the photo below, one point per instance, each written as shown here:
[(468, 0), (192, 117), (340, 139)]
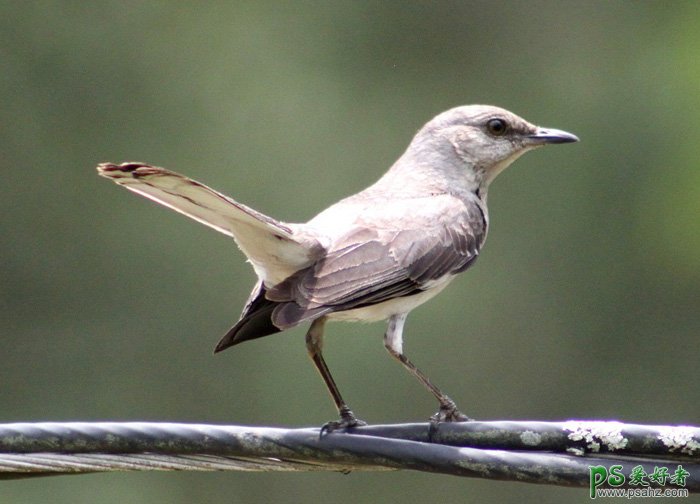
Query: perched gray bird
[(372, 256)]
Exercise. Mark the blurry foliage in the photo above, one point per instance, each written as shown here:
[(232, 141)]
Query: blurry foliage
[(584, 303)]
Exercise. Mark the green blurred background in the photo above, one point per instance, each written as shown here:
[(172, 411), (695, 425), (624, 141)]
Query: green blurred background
[(584, 303)]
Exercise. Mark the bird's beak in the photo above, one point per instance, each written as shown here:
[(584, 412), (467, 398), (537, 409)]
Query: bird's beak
[(551, 136)]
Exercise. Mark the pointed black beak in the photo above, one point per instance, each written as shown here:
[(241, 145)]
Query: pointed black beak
[(552, 136)]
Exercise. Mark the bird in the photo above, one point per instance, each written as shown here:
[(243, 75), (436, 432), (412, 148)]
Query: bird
[(375, 255)]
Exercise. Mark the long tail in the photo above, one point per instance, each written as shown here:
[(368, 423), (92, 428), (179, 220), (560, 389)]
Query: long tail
[(275, 249)]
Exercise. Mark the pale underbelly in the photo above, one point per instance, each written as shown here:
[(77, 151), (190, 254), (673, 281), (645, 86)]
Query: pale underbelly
[(383, 311)]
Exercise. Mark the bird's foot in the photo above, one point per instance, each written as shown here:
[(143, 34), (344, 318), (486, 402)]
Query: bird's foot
[(449, 413), (347, 420)]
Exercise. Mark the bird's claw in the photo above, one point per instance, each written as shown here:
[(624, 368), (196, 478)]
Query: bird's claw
[(348, 420), (449, 415), (448, 412)]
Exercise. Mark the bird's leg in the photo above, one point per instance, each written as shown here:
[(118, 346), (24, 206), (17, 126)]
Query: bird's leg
[(314, 344), (393, 341)]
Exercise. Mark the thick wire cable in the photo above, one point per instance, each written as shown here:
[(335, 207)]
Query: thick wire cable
[(558, 453)]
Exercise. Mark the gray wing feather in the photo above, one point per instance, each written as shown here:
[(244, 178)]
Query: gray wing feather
[(373, 264)]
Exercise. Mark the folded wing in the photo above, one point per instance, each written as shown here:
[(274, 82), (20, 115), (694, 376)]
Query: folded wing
[(371, 265)]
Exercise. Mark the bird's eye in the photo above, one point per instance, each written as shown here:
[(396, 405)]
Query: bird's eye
[(497, 127)]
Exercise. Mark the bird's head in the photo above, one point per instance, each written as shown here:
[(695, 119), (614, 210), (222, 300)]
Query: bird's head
[(482, 139)]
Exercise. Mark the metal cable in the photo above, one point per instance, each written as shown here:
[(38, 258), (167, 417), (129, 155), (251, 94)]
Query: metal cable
[(516, 451)]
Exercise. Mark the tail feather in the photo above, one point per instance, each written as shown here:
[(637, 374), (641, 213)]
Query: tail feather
[(275, 249)]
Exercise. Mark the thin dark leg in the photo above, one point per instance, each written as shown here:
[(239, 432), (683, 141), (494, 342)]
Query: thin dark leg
[(448, 409), (393, 342), (314, 343)]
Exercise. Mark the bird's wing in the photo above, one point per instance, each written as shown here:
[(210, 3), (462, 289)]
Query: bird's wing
[(275, 249), (375, 263)]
